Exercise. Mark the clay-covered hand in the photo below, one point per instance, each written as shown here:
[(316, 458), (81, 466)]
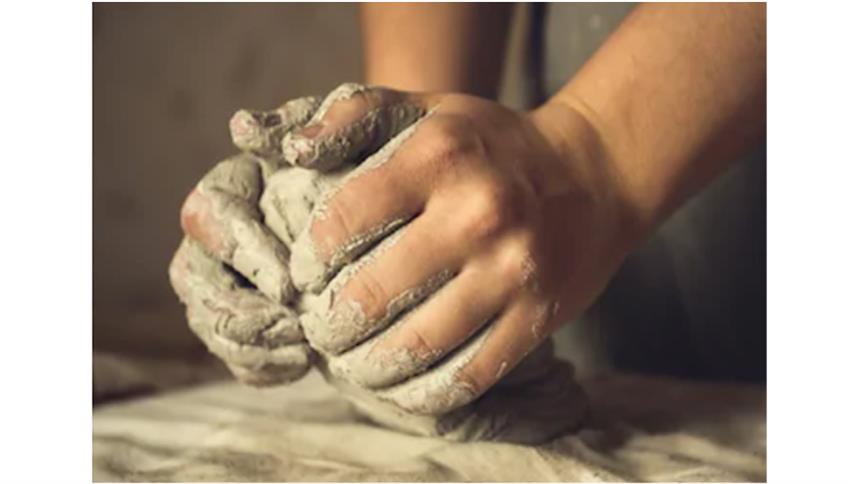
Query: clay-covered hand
[(231, 271), (456, 247)]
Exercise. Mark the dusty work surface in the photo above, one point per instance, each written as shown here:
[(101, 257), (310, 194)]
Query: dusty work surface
[(641, 428)]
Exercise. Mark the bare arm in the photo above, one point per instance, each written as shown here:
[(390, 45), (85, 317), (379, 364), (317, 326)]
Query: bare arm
[(670, 98), (673, 96), (449, 47), (542, 207)]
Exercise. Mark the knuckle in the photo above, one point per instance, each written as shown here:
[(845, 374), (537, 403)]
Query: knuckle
[(417, 342), (489, 211), (331, 228), (450, 138), (517, 262), (366, 291), (473, 379), (445, 143)]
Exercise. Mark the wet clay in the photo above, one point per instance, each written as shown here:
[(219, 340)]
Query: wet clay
[(534, 402), (260, 340), (309, 272), (371, 129)]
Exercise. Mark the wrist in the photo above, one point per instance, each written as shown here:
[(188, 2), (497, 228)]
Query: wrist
[(587, 154)]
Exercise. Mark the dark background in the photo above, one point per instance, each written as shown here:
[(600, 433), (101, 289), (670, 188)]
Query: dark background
[(167, 78)]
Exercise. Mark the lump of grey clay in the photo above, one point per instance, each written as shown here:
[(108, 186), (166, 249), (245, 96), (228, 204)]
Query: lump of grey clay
[(535, 402), (538, 400)]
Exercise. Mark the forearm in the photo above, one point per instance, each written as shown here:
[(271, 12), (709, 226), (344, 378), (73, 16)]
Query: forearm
[(673, 95), (452, 47)]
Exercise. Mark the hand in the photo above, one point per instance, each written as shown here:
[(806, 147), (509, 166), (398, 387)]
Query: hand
[(231, 271), (455, 249)]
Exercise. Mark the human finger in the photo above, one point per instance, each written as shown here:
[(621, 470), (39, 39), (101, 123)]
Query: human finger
[(221, 214), (236, 323), (352, 122)]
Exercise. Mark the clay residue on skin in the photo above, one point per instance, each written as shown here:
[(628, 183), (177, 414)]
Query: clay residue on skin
[(238, 176), (534, 401), (443, 388), (254, 248), (241, 314), (310, 270), (387, 367), (372, 365), (334, 325), (260, 340), (542, 316), (253, 357), (226, 198), (529, 273), (262, 132), (289, 199), (353, 140), (358, 243), (501, 370)]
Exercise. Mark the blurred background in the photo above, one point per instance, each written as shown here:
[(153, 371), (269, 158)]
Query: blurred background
[(167, 78)]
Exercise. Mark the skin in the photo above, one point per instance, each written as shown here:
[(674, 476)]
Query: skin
[(531, 212), (435, 46)]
